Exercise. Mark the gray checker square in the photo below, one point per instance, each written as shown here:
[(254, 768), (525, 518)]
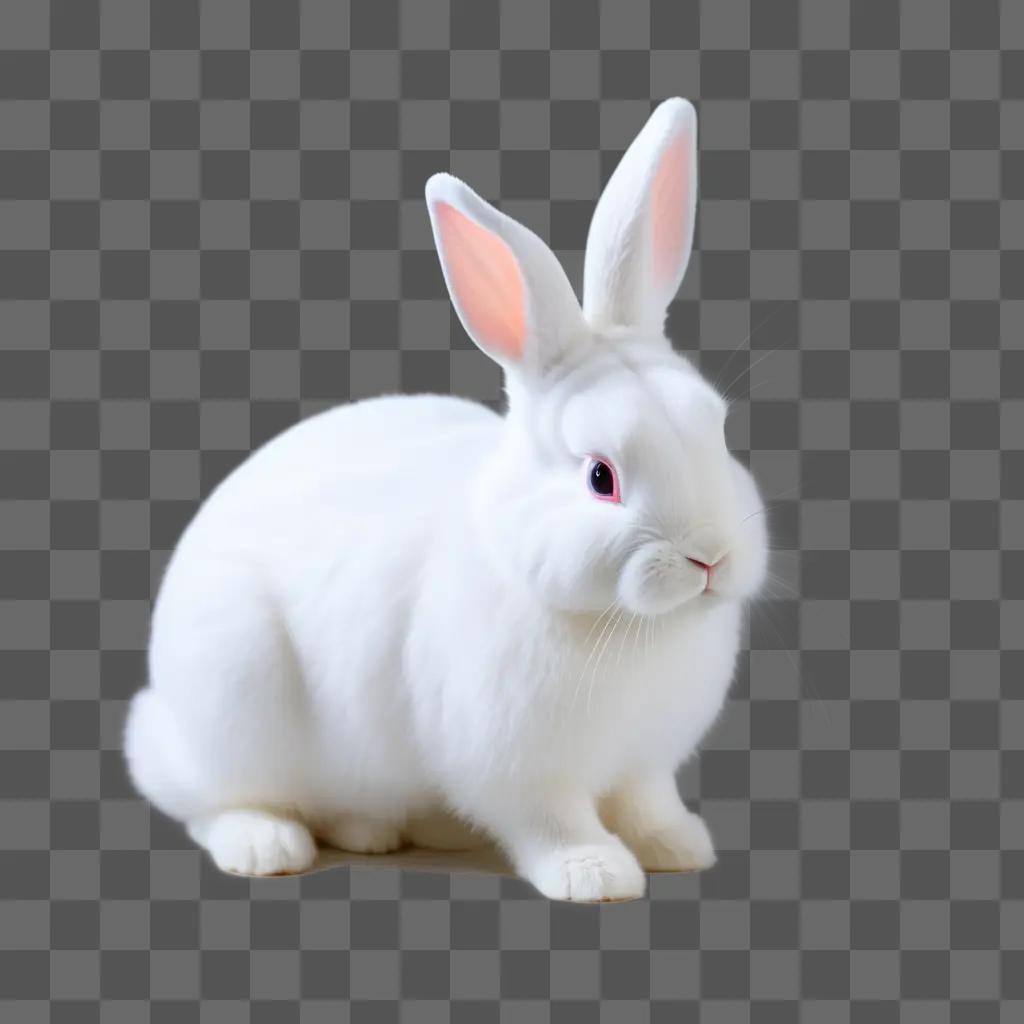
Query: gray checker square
[(211, 225)]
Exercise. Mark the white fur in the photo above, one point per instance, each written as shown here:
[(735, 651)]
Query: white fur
[(618, 285), (411, 606)]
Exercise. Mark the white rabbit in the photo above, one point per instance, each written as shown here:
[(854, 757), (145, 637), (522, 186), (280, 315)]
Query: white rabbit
[(410, 611)]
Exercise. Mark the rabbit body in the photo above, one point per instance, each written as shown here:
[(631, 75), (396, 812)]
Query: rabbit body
[(409, 614), (329, 643), (278, 634)]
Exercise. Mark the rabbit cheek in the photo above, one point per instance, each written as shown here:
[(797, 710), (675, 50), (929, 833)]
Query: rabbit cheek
[(746, 567)]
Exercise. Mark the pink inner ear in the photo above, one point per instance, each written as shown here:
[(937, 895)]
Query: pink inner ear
[(485, 281), (670, 205)]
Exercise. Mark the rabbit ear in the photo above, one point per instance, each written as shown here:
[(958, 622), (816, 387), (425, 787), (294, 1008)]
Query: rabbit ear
[(507, 286), (642, 231)]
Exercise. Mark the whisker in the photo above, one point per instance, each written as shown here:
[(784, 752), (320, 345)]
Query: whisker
[(757, 362), (767, 507), (611, 605), (785, 591), (583, 671), (600, 658), (622, 642), (754, 387), (638, 625), (769, 503), (783, 494), (763, 321), (609, 625)]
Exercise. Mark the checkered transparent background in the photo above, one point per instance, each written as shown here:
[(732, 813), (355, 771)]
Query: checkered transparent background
[(211, 224)]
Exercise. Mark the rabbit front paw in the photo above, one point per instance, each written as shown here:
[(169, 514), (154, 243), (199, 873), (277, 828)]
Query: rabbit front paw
[(685, 845), (359, 833), (588, 874), (256, 843)]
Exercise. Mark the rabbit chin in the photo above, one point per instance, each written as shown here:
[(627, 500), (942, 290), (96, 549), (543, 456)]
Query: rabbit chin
[(656, 580)]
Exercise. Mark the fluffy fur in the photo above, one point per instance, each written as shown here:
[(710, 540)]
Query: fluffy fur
[(410, 614)]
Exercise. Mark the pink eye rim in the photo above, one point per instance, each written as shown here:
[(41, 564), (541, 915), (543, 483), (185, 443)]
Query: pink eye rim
[(601, 475)]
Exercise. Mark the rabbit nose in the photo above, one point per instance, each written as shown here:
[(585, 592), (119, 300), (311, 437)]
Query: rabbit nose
[(706, 545), (706, 566)]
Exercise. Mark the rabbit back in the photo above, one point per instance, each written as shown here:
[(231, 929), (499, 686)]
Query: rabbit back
[(275, 655)]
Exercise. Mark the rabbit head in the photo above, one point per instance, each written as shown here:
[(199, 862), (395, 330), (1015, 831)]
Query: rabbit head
[(613, 483)]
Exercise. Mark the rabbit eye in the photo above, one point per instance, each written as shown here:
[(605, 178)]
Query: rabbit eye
[(604, 484)]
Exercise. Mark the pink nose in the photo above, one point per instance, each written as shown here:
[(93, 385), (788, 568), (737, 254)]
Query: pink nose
[(706, 566)]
